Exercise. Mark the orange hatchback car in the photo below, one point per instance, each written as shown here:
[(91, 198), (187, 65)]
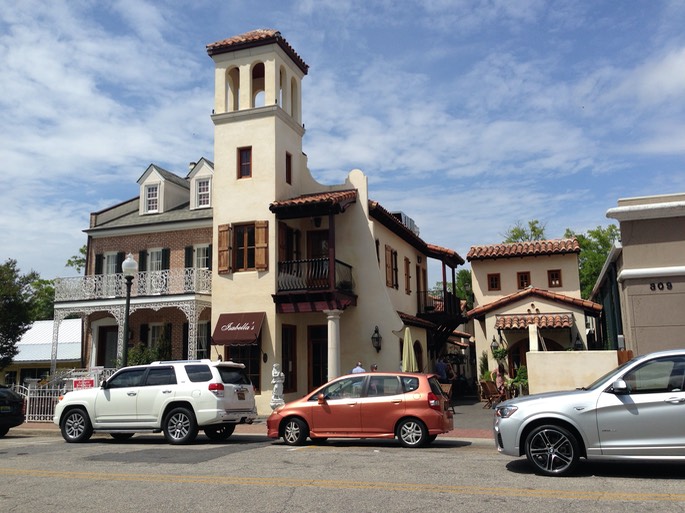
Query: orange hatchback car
[(408, 406)]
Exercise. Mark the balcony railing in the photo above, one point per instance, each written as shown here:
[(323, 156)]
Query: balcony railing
[(313, 274), (146, 283), (434, 302)]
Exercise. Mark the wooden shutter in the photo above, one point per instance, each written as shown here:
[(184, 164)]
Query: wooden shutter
[(209, 258), (166, 258), (261, 232), (388, 266), (407, 276), (99, 263), (189, 257), (224, 242), (121, 256), (142, 260)]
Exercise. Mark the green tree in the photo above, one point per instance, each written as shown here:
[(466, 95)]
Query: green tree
[(16, 306), (78, 262), (44, 300), (521, 233), (595, 246)]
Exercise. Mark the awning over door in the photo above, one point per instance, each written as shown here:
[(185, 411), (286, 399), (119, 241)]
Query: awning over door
[(238, 328)]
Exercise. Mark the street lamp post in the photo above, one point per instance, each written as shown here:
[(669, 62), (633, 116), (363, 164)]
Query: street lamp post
[(130, 268)]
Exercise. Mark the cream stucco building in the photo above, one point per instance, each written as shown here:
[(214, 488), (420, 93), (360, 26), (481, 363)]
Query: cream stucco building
[(306, 273)]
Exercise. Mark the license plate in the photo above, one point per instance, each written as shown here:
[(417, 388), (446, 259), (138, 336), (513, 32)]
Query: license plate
[(7, 409), (241, 395)]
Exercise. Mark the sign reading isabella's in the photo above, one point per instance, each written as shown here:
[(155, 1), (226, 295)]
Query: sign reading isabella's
[(238, 328)]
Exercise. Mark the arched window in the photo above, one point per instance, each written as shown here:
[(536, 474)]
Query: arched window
[(294, 101), (232, 90), (258, 85)]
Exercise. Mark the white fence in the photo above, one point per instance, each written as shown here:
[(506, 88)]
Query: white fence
[(40, 402)]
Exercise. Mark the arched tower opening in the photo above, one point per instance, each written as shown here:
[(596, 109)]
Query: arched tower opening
[(232, 90), (258, 85)]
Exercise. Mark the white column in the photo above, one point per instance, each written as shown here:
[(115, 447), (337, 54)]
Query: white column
[(533, 337), (333, 317)]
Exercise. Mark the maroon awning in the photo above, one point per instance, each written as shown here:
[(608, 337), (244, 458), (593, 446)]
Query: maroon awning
[(238, 328)]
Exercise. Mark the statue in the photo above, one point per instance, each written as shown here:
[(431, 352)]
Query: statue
[(277, 379)]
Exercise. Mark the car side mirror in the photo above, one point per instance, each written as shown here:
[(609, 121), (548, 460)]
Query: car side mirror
[(619, 387), (103, 384), (321, 399)]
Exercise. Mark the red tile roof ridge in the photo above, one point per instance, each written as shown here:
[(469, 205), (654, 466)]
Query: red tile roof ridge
[(585, 304), (524, 248)]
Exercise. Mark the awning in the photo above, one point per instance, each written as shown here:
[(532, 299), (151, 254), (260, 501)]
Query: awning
[(238, 328)]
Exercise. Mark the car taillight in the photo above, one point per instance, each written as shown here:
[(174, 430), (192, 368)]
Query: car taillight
[(434, 401), (217, 389)]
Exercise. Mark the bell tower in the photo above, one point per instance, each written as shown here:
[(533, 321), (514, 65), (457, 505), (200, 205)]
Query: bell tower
[(258, 159)]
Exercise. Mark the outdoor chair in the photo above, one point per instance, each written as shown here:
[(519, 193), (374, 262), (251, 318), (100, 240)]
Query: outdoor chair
[(490, 393)]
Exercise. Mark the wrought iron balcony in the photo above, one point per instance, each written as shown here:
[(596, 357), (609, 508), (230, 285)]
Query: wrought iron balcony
[(314, 274), (433, 302), (145, 283)]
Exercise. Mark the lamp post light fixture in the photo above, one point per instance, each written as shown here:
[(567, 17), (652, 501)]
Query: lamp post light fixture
[(494, 345), (376, 339), (129, 268)]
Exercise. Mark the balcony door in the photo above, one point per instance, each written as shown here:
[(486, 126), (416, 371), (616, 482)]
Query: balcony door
[(317, 254)]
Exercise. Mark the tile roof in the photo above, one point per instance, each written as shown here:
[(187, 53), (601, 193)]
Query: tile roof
[(523, 249), (259, 37), (328, 198), (521, 321), (412, 320), (588, 306)]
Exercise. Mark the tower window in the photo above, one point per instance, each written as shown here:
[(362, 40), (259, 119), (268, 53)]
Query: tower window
[(288, 168), (245, 162)]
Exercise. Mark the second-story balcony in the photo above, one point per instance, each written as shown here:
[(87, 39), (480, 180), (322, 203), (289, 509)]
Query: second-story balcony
[(313, 285), (314, 274), (145, 283)]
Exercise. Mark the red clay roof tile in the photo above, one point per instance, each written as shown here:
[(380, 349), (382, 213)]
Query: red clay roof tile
[(586, 305), (521, 321), (522, 249)]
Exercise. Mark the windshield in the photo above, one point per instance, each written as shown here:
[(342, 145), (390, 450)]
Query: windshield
[(598, 382)]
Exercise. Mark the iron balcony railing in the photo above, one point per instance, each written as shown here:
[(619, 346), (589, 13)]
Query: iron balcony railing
[(436, 302), (314, 274), (145, 283)]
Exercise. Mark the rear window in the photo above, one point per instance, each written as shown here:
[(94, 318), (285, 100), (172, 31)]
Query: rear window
[(435, 386), (410, 383), (198, 373), (233, 376)]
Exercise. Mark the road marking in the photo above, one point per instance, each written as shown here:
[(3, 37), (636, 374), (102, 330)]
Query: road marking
[(214, 480)]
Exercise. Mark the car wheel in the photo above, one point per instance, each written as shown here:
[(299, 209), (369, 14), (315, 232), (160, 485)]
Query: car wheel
[(552, 450), (412, 433), (180, 426), (4, 431), (75, 426), (219, 433), (121, 436), (295, 431)]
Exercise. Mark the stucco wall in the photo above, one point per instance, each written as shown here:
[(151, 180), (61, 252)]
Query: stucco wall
[(565, 370)]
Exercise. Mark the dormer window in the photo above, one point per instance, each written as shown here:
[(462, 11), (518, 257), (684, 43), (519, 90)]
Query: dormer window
[(203, 193), (151, 199)]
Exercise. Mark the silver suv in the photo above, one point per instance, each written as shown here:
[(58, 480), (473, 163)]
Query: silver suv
[(176, 397)]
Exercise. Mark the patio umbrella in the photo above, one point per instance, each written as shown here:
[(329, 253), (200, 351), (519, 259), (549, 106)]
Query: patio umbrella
[(408, 357)]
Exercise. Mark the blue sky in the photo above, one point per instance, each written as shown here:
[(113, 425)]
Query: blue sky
[(467, 115)]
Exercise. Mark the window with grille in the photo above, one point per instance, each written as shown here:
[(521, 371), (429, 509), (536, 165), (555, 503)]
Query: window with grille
[(494, 282), (203, 193), (554, 278), (151, 198), (523, 279), (244, 162)]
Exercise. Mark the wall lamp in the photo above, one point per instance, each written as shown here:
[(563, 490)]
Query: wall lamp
[(376, 339)]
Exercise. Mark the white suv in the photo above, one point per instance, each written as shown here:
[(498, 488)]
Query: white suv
[(178, 398)]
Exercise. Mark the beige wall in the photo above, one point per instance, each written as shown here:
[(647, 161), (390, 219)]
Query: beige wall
[(537, 266), (567, 370)]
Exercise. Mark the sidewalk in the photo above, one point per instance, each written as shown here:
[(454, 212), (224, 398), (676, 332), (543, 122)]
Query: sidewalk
[(471, 420)]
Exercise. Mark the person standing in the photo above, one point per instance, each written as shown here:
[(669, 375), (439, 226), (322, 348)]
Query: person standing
[(358, 368)]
